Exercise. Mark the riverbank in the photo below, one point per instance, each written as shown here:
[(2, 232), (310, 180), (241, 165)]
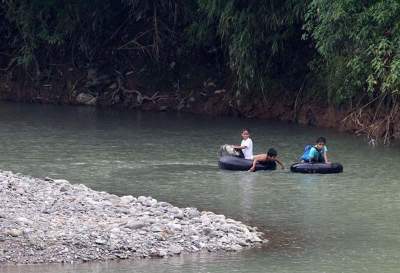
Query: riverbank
[(54, 221), (94, 88)]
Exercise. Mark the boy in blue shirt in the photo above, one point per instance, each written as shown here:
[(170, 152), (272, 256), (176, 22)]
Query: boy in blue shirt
[(316, 153)]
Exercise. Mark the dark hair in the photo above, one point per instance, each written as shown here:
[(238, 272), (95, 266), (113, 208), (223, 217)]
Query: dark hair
[(272, 152), (321, 140), (246, 129)]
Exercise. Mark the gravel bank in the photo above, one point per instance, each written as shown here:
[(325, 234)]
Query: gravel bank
[(53, 221)]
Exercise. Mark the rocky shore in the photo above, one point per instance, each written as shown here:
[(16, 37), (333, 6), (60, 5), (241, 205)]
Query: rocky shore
[(53, 221)]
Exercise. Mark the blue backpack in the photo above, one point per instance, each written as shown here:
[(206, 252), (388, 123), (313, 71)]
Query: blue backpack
[(306, 152)]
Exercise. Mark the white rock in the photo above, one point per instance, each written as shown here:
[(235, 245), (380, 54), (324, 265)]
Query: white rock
[(178, 213), (191, 212), (234, 247), (127, 199), (14, 232), (100, 241), (61, 181), (87, 99), (142, 199), (156, 228), (24, 221), (175, 249), (20, 191), (205, 220), (134, 224), (174, 227)]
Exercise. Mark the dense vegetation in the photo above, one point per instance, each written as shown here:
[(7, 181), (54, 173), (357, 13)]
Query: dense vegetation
[(342, 52), (358, 43)]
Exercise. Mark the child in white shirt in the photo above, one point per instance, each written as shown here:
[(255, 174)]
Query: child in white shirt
[(246, 146)]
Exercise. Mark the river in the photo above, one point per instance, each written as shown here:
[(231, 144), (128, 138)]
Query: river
[(345, 222)]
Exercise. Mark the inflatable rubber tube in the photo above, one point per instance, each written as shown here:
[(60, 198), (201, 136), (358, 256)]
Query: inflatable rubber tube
[(234, 163), (316, 168)]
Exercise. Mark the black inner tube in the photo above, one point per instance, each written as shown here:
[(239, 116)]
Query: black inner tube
[(317, 168), (235, 163)]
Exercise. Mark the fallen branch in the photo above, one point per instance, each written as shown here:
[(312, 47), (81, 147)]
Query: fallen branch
[(140, 98)]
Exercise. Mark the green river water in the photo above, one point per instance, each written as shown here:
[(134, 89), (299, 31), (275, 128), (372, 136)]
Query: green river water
[(346, 222)]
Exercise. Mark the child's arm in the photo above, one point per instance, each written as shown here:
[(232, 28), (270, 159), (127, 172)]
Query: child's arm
[(243, 145), (256, 158), (280, 163), (239, 147), (253, 167), (326, 158)]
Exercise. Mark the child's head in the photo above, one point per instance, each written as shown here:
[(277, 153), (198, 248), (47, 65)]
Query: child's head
[(272, 153), (320, 143), (245, 133)]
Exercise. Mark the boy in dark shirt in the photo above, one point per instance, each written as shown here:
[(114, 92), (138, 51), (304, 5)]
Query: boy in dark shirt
[(271, 155)]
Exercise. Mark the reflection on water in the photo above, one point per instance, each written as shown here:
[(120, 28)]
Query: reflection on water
[(315, 223)]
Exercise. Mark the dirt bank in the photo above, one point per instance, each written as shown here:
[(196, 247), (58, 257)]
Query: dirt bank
[(94, 88)]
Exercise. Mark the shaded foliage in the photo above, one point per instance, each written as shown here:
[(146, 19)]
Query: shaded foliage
[(252, 39), (50, 30), (262, 40), (358, 46), (256, 43)]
